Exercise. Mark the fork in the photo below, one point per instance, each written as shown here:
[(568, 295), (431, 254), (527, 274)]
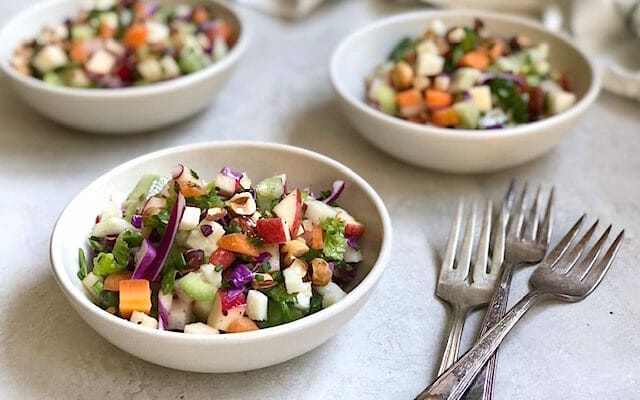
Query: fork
[(453, 283), (526, 244), (559, 276)]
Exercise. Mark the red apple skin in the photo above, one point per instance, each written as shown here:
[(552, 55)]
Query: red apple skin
[(222, 257), (354, 229), (293, 202), (272, 230)]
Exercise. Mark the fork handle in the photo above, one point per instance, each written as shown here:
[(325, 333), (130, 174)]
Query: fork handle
[(482, 386), (452, 384), (450, 354)]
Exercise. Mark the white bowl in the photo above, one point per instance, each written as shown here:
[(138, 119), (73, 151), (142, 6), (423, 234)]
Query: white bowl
[(455, 150), (238, 351), (116, 111)]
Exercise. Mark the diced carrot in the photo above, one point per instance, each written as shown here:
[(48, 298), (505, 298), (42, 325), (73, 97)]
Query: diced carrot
[(135, 295), (317, 239), (496, 49), (445, 117), (112, 281), (222, 257), (79, 52), (191, 190), (225, 31), (242, 324), (238, 243), (139, 9), (437, 98), (475, 59), (200, 15), (408, 98), (135, 35), (106, 31)]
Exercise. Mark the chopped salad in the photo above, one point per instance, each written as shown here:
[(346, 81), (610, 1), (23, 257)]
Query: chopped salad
[(228, 256), (121, 43), (463, 77)]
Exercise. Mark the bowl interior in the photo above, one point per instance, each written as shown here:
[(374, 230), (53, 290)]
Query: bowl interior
[(303, 169), (358, 55), (27, 24)]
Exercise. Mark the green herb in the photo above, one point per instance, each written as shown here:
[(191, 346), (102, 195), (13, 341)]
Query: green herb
[(206, 201), (304, 195), (310, 255), (232, 228), (335, 243), (194, 173), (324, 194), (509, 98), (121, 251), (402, 49), (98, 288), (168, 280), (343, 265), (277, 276), (133, 239), (470, 41), (105, 264), (256, 241), (96, 243), (84, 267), (265, 266), (108, 299), (281, 307), (175, 259), (258, 278), (219, 268), (315, 304), (158, 221), (452, 61)]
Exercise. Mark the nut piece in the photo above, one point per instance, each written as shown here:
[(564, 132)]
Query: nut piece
[(215, 213), (262, 281), (294, 248), (246, 225), (321, 272), (242, 204), (455, 35), (402, 75)]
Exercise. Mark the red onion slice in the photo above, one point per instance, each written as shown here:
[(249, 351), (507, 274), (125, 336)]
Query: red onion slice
[(144, 258), (336, 189), (164, 305), (169, 236), (136, 220), (177, 171)]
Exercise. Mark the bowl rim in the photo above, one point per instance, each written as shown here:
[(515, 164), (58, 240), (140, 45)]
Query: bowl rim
[(227, 61), (524, 129), (74, 295)]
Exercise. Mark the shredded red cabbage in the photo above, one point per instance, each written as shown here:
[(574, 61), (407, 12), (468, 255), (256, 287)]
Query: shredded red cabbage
[(240, 276), (136, 220), (352, 241)]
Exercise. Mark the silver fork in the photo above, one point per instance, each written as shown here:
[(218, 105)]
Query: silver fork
[(526, 244), (454, 286), (559, 276)]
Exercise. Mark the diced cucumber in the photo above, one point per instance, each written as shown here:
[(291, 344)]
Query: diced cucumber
[(190, 62), (468, 113), (93, 284), (52, 78), (464, 79), (268, 192), (141, 193), (196, 288), (386, 97), (82, 32)]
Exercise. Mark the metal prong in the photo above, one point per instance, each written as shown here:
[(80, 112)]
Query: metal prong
[(544, 230), (596, 274), (482, 251), (517, 215), (450, 253), (497, 252), (531, 224), (563, 245), (565, 264), (507, 203), (581, 270), (464, 259)]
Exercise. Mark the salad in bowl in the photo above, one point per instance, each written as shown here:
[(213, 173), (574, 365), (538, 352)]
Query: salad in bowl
[(226, 256)]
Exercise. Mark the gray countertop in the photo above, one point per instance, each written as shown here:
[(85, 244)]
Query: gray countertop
[(392, 348)]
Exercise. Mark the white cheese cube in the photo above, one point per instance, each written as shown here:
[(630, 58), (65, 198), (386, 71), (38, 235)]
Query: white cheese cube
[(156, 32), (150, 69), (170, 68), (429, 64), (560, 100), (293, 277), (427, 47), (143, 319), (196, 240), (101, 62), (257, 305), (190, 218), (464, 79), (209, 274), (49, 58), (331, 294), (226, 185), (481, 96), (199, 328), (442, 82)]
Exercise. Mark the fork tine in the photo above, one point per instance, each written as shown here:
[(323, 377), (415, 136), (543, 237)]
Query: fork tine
[(544, 230), (531, 224), (464, 259), (497, 251), (507, 203), (450, 253), (482, 251), (595, 275), (552, 258), (565, 264), (585, 265), (517, 214)]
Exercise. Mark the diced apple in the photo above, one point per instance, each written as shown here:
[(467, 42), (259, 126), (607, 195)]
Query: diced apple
[(101, 62), (304, 297), (293, 277), (208, 273), (170, 68), (481, 96), (190, 218), (351, 226), (197, 240), (257, 305), (226, 185), (156, 32), (49, 58), (352, 255), (218, 319), (274, 260), (181, 313), (331, 294), (150, 69), (222, 257), (200, 329), (464, 79), (318, 211), (560, 101), (111, 226), (429, 64), (142, 319), (290, 209), (273, 230)]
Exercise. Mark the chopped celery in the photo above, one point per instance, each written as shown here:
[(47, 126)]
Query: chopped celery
[(196, 287), (52, 78), (386, 97), (268, 192), (82, 32), (190, 62), (468, 113)]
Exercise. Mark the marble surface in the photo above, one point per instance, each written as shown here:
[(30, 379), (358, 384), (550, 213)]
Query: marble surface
[(391, 350)]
